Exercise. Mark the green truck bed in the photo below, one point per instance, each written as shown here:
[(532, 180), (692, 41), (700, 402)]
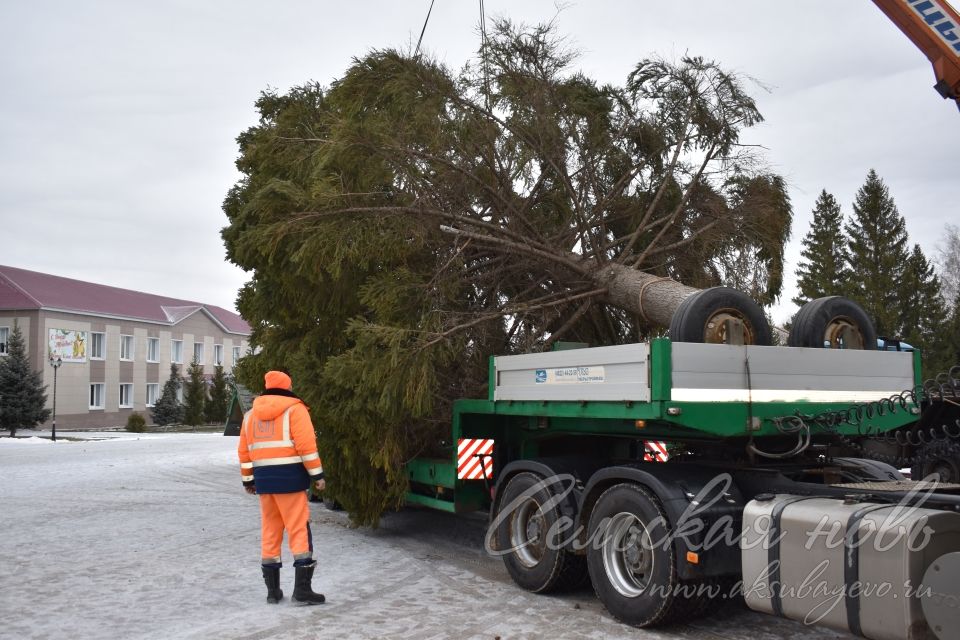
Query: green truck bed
[(654, 391)]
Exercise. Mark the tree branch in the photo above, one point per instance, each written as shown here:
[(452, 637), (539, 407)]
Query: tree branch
[(504, 311)]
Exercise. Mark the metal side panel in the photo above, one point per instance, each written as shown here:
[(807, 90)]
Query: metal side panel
[(850, 566), (718, 373), (616, 373)]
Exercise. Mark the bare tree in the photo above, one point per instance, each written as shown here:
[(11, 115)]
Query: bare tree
[(948, 262)]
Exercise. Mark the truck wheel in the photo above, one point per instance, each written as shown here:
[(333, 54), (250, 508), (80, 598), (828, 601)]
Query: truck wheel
[(720, 315), (833, 322), (534, 561), (941, 458), (630, 559)]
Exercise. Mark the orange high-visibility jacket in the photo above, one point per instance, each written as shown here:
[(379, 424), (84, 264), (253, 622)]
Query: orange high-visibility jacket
[(278, 447)]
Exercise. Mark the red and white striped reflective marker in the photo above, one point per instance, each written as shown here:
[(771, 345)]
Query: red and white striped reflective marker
[(655, 451), (474, 457)]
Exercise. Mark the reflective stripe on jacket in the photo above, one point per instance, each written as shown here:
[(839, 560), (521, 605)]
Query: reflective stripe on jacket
[(278, 446)]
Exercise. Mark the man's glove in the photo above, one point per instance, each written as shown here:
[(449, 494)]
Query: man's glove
[(250, 489), (320, 484)]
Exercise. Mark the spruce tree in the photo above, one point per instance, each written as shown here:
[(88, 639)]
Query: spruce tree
[(168, 409), (923, 311), (216, 407), (452, 216), (949, 355), (823, 269), (877, 254), (945, 353), (194, 395), (22, 398)]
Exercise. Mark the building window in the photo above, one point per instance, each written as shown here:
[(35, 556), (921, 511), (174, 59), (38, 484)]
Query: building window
[(236, 355), (126, 347), (96, 345), (198, 352), (176, 351), (180, 394), (153, 392), (96, 395), (153, 349), (126, 396), (4, 337), (218, 355)]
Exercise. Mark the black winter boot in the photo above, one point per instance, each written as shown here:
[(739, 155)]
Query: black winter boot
[(302, 589), (271, 577)]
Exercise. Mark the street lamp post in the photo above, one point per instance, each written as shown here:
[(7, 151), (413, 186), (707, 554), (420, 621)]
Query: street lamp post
[(55, 363)]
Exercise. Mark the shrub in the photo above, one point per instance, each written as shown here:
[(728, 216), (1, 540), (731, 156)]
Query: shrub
[(136, 423)]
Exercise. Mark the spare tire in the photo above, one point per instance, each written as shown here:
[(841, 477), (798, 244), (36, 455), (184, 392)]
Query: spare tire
[(833, 322), (720, 315), (676, 320)]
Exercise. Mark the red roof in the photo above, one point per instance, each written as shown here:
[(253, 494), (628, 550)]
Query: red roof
[(22, 289)]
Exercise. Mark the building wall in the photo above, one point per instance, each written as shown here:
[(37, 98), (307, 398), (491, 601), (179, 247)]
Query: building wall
[(74, 378), (25, 320)]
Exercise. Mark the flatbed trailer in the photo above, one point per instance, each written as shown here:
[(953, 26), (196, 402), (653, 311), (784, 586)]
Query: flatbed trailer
[(559, 454)]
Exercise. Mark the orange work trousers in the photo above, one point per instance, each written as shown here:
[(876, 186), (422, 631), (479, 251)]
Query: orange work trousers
[(290, 511)]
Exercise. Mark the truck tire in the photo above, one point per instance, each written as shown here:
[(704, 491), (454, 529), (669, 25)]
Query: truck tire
[(704, 316), (941, 458), (630, 559), (834, 322), (534, 562)]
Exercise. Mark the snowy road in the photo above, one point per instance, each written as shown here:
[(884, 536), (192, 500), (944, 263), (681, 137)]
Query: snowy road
[(153, 537)]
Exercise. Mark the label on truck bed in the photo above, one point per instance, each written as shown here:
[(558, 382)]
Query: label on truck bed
[(570, 375)]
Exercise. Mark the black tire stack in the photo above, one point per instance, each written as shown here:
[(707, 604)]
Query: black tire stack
[(689, 321), (811, 322)]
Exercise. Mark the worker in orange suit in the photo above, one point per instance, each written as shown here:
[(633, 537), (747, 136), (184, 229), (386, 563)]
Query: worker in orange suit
[(279, 461)]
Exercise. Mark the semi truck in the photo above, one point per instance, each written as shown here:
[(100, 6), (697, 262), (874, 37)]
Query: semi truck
[(783, 485), (770, 493)]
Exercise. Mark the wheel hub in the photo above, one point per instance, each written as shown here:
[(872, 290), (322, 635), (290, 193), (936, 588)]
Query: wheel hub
[(628, 555), (534, 528), (728, 326), (945, 471), (527, 526), (842, 333)]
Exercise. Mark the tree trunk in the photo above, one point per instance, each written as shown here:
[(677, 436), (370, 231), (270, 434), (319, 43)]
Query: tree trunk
[(651, 297)]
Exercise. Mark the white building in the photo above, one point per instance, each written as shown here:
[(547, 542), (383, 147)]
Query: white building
[(116, 345)]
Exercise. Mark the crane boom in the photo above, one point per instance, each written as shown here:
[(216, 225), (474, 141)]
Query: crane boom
[(934, 26)]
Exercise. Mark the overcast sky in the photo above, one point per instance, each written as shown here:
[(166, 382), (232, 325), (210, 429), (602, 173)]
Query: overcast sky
[(118, 119)]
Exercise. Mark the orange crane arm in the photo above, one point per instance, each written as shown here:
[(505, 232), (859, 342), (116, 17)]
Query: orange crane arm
[(934, 26)]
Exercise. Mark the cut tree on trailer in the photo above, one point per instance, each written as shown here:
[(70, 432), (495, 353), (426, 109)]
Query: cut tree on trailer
[(514, 206), (408, 222)]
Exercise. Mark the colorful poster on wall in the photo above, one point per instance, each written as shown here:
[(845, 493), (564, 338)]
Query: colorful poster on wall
[(69, 345)]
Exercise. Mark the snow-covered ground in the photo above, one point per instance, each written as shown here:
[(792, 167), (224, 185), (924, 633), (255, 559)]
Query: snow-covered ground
[(151, 536)]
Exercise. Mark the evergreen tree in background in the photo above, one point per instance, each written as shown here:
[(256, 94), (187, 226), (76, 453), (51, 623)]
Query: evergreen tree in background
[(194, 395), (877, 255), (923, 311), (22, 398), (948, 263), (216, 407), (950, 355), (823, 269), (168, 409)]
